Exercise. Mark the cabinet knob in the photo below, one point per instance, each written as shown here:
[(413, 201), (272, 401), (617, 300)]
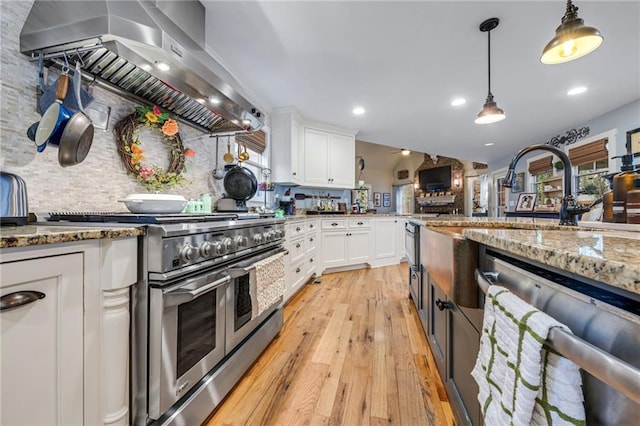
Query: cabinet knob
[(311, 239), (360, 223), (297, 228), (442, 305), (294, 173), (310, 260), (297, 270), (298, 245), (334, 224)]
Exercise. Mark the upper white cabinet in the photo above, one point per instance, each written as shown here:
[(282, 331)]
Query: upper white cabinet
[(329, 159), (285, 140), (310, 154)]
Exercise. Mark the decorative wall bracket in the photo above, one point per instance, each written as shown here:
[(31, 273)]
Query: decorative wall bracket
[(570, 137)]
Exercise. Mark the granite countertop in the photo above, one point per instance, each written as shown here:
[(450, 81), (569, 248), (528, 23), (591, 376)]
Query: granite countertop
[(31, 235), (610, 257)]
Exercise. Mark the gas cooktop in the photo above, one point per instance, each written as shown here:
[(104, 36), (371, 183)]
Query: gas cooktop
[(120, 217)]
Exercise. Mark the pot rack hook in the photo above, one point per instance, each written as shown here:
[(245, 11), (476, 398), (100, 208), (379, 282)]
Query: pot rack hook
[(65, 67), (79, 56)]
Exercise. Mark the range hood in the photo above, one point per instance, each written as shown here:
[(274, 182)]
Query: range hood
[(147, 51)]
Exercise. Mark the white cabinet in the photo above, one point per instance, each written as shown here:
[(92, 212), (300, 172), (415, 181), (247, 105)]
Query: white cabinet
[(301, 240), (346, 242), (285, 147), (65, 357), (42, 346), (385, 238), (329, 159)]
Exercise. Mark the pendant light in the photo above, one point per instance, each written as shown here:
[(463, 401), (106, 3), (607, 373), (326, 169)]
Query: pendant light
[(573, 39), (490, 112)]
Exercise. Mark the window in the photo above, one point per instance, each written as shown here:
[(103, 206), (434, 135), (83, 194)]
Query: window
[(257, 163), (591, 164)]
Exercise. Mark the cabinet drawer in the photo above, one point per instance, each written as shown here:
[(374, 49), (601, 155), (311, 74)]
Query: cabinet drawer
[(334, 224), (297, 249), (310, 262), (296, 228), (298, 272), (311, 226), (312, 242), (360, 223)]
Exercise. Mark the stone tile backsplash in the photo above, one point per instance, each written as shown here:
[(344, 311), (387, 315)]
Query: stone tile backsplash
[(100, 180)]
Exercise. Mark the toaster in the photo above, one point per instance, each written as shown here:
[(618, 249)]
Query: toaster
[(14, 209)]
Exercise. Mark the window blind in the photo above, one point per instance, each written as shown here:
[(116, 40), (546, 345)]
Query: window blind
[(589, 153), (540, 166), (255, 141)]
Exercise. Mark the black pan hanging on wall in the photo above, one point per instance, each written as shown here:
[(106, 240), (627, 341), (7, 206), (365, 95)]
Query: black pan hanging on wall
[(240, 184)]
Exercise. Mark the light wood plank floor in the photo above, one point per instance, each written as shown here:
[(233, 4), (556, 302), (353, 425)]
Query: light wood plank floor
[(351, 352)]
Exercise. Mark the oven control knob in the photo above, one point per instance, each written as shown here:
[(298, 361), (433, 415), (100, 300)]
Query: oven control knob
[(227, 245), (279, 233), (217, 247), (205, 249), (188, 253), (257, 238), (241, 241), (268, 236)]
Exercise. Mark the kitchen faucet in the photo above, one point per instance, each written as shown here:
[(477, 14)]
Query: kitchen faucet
[(569, 209)]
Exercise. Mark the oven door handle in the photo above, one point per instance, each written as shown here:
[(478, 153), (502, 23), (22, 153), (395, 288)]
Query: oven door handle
[(178, 297), (239, 271)]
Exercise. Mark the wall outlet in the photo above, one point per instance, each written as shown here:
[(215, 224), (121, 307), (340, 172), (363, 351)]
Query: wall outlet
[(512, 203)]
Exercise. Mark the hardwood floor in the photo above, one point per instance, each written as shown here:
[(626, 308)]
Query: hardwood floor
[(351, 352)]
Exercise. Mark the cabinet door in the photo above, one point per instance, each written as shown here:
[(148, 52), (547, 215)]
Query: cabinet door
[(334, 249), (462, 388), (316, 157), (359, 246), (285, 150), (341, 160), (42, 346), (385, 238), (296, 172), (438, 327)]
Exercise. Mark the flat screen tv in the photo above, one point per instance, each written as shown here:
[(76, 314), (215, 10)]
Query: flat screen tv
[(435, 180)]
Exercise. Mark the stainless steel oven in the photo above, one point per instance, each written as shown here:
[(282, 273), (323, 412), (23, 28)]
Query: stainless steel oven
[(412, 249), (186, 335), (242, 315)]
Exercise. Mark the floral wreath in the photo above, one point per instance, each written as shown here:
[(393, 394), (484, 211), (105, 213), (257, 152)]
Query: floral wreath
[(131, 153)]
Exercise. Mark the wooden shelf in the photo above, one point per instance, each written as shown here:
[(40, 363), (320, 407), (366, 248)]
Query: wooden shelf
[(551, 179), (441, 200)]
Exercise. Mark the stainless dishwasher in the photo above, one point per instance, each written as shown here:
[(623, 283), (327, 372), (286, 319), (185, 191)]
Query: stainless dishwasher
[(605, 323)]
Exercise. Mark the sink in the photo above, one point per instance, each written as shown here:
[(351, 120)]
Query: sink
[(450, 260)]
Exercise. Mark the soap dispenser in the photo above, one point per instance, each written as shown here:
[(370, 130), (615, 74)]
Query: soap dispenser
[(623, 183)]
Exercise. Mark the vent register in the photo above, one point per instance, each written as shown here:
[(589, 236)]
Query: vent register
[(118, 44)]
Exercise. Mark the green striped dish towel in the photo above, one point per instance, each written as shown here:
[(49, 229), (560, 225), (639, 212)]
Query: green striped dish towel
[(521, 381)]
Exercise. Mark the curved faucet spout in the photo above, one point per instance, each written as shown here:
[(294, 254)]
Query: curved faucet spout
[(569, 209)]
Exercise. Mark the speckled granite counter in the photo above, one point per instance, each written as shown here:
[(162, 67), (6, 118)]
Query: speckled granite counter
[(611, 257), (31, 235)]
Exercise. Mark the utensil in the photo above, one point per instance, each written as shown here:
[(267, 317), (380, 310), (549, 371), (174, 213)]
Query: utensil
[(76, 140), (240, 184), (217, 174), (55, 117), (243, 156), (228, 157)]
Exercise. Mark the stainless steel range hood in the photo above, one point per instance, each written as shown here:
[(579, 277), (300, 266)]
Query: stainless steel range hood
[(124, 43)]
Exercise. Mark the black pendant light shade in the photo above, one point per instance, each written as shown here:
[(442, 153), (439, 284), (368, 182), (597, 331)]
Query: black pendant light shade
[(573, 39), (490, 112)]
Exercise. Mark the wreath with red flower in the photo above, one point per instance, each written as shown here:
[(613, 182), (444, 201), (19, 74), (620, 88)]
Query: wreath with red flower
[(153, 177)]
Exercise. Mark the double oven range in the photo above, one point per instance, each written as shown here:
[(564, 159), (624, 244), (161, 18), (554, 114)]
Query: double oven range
[(195, 329)]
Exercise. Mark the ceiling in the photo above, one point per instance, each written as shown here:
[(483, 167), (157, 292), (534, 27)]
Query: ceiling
[(404, 62)]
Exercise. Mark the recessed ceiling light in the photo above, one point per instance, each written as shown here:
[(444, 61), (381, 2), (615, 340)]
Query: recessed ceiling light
[(458, 102), (577, 90), (146, 67), (405, 152), (214, 100), (488, 144), (201, 101), (162, 66), (358, 111)]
